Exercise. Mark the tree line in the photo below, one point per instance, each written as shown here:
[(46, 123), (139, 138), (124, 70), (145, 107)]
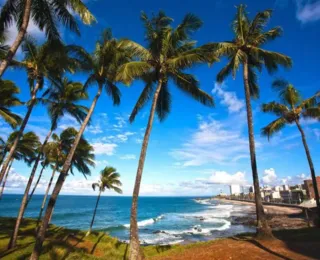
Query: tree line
[(164, 59)]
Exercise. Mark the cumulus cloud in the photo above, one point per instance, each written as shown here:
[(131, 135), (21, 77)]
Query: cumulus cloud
[(228, 98), (104, 148), (269, 176), (222, 177)]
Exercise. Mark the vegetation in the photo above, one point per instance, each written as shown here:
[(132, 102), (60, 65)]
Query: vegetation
[(290, 110), (246, 49), (109, 179), (166, 59)]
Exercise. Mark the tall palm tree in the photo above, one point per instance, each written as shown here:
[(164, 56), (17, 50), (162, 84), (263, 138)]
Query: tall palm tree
[(57, 151), (289, 111), (109, 179), (108, 55), (26, 150), (46, 14), (61, 98), (8, 99), (47, 61), (169, 52), (246, 49)]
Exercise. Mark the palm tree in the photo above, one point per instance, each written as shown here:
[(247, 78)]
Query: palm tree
[(246, 49), (289, 111), (108, 55), (49, 60), (46, 14), (109, 179), (8, 99), (63, 97), (169, 52), (26, 150)]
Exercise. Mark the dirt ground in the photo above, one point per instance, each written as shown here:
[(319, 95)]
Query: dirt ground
[(247, 248)]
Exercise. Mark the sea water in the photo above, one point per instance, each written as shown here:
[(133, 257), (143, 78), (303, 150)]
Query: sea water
[(161, 220)]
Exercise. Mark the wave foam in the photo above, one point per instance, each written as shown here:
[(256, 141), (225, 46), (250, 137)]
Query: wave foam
[(146, 222)]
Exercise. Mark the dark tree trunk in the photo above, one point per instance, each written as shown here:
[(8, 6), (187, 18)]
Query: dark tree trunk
[(313, 174), (94, 214), (135, 251), (5, 179), (20, 132), (62, 176), (17, 42), (263, 229), (24, 201), (46, 195), (36, 163), (36, 184)]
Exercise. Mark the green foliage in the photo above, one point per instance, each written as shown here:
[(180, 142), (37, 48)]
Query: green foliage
[(291, 107), (47, 15), (109, 179), (249, 38), (168, 53), (8, 99)]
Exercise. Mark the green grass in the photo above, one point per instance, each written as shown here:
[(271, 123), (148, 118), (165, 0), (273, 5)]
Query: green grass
[(69, 244)]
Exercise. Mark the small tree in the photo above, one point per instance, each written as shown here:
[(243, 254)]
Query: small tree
[(109, 179)]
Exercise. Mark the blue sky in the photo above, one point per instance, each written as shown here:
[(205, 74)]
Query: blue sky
[(196, 150)]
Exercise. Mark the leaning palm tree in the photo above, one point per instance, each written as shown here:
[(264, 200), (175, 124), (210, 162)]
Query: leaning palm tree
[(8, 99), (289, 111), (109, 179), (56, 152), (46, 14), (47, 61), (246, 50), (26, 151), (169, 52), (103, 64), (61, 98)]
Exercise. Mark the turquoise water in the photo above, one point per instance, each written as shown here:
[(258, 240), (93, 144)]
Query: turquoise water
[(162, 220)]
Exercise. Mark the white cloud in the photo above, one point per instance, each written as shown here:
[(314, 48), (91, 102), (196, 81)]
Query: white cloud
[(222, 177), (308, 11), (214, 142), (128, 157), (269, 176), (104, 148), (317, 133), (228, 98), (101, 162)]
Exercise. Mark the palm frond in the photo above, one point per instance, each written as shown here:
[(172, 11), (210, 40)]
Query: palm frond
[(131, 70), (163, 105), (274, 127), (275, 108), (113, 91)]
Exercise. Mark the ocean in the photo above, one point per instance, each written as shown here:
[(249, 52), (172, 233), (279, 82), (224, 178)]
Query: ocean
[(162, 220)]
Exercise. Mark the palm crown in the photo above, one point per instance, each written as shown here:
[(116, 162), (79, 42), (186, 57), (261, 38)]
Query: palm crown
[(27, 147), (104, 62), (168, 53), (47, 15), (249, 38), (63, 97), (109, 179), (8, 99), (291, 107)]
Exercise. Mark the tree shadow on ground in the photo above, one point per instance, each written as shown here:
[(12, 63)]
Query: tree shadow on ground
[(96, 244)]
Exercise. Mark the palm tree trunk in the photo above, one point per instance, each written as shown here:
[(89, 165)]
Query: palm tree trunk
[(24, 201), (23, 30), (22, 127), (46, 195), (94, 214), (5, 179), (135, 252), (263, 229), (36, 184), (313, 174), (62, 176)]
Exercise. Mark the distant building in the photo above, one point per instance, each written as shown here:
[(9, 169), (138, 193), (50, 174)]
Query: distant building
[(285, 187), (275, 195), (235, 189), (309, 187)]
